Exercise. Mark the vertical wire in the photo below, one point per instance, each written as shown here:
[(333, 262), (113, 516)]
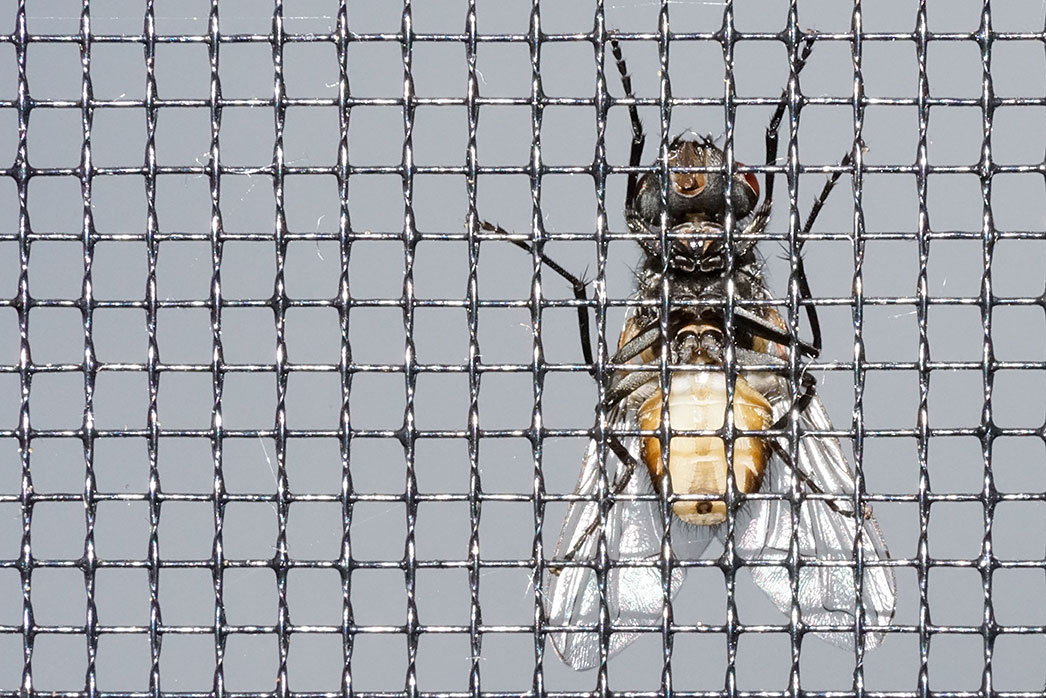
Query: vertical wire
[(1042, 297), (665, 376), (923, 425), (989, 495), (857, 299), (536, 432), (217, 431), (152, 226), (600, 372), (602, 431), (730, 557), (795, 502), (90, 362), (472, 317), (25, 373), (409, 432), (281, 558), (345, 431)]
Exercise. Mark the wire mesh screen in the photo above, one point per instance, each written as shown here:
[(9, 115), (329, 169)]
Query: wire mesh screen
[(280, 416)]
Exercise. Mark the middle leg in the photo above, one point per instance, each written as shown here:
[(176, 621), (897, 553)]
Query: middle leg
[(576, 284)]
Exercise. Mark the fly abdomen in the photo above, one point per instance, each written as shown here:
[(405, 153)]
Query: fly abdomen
[(697, 464)]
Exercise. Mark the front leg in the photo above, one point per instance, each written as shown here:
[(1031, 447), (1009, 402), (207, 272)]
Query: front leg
[(576, 284)]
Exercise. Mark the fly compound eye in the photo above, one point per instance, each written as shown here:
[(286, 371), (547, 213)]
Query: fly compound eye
[(752, 182), (746, 192)]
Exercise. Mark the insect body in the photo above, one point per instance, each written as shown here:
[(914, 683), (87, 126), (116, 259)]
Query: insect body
[(697, 400), (697, 464), (724, 350)]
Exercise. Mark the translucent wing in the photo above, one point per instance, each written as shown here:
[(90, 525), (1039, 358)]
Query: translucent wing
[(633, 532), (827, 595)]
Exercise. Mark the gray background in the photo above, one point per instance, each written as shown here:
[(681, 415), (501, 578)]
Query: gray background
[(313, 267)]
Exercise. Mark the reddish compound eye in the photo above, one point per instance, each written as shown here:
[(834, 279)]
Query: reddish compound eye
[(752, 181)]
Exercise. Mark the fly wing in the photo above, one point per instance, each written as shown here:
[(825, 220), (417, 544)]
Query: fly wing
[(827, 595), (633, 532)]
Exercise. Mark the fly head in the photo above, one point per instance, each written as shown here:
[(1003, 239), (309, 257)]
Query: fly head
[(695, 202)]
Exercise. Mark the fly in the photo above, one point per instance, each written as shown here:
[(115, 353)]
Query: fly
[(672, 448)]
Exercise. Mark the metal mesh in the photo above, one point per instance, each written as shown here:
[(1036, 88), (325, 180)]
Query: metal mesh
[(220, 473)]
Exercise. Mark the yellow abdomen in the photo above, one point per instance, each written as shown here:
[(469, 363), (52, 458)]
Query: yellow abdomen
[(697, 464)]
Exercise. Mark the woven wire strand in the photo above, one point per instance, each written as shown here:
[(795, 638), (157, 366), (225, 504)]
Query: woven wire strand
[(474, 565)]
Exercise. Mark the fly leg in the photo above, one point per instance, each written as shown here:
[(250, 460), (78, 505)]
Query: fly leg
[(638, 137), (576, 284), (786, 458), (804, 283), (712, 346), (620, 483), (618, 392), (772, 137), (762, 214), (767, 330), (647, 236), (633, 380), (800, 268), (635, 156)]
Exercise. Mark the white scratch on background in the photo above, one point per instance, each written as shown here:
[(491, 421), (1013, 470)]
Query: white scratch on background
[(357, 521), (318, 221), (272, 469), (530, 585)]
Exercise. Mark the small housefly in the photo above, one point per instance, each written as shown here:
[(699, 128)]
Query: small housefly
[(720, 356)]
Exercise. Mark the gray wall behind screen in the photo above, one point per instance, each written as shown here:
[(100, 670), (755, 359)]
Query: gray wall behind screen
[(441, 334)]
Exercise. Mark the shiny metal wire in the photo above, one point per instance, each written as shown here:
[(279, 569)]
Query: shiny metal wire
[(27, 563)]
